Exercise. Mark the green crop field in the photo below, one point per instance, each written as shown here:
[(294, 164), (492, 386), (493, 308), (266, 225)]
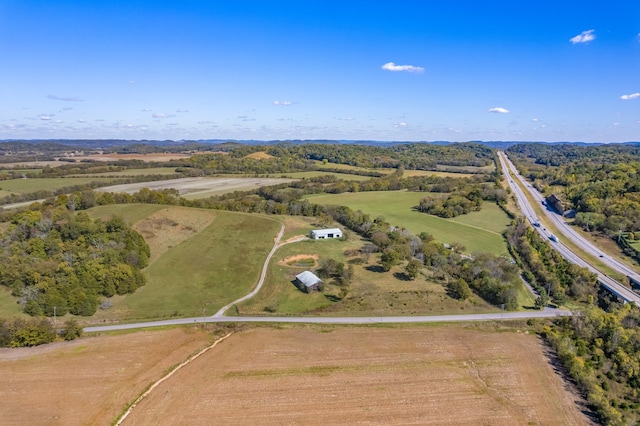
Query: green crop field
[(477, 231), (22, 186), (204, 271)]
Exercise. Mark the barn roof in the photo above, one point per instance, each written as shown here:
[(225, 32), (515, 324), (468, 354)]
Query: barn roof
[(308, 278), (327, 231)]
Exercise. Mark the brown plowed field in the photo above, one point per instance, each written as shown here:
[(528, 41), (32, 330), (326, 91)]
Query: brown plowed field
[(88, 381), (437, 375)]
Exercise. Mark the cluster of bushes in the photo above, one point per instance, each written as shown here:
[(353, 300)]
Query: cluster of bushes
[(21, 332)]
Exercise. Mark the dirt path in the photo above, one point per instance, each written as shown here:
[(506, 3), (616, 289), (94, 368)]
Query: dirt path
[(166, 377), (255, 291)]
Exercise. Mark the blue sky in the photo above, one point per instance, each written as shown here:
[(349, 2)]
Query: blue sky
[(401, 70)]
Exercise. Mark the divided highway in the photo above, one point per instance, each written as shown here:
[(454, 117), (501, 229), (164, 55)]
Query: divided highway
[(612, 285)]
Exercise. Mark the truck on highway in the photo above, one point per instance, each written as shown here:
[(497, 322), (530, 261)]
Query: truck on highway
[(553, 238)]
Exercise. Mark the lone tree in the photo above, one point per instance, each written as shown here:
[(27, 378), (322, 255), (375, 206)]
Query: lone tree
[(413, 268)]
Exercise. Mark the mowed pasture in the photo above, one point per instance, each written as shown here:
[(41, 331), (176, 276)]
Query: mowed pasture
[(364, 375), (198, 187), (200, 260), (476, 231)]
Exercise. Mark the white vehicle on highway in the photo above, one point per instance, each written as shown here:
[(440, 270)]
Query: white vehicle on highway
[(553, 238)]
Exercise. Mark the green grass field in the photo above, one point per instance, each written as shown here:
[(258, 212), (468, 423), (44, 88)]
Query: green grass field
[(307, 175), (371, 293), (200, 274), (477, 231), (131, 213), (22, 186), (9, 306)]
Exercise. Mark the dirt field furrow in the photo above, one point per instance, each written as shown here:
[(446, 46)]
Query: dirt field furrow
[(366, 376)]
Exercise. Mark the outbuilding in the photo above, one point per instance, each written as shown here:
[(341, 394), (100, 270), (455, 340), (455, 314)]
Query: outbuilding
[(307, 281), (320, 234)]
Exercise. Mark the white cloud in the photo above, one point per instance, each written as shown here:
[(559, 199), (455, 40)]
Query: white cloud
[(162, 115), (499, 110), (535, 120), (65, 99), (401, 125), (583, 37), (390, 66), (45, 117), (282, 103), (182, 110), (630, 96), (146, 109)]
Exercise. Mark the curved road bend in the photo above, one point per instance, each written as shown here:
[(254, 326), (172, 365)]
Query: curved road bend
[(546, 313), (569, 234)]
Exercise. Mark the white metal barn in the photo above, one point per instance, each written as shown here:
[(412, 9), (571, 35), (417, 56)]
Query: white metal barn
[(319, 234), (307, 281)]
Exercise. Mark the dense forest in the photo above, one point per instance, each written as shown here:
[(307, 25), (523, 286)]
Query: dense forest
[(601, 352), (56, 260)]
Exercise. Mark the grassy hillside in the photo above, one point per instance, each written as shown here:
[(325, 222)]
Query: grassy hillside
[(200, 260), (477, 231)]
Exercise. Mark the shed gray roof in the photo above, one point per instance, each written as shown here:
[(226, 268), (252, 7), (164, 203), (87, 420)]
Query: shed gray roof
[(308, 278)]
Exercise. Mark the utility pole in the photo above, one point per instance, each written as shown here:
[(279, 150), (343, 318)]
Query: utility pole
[(54, 315)]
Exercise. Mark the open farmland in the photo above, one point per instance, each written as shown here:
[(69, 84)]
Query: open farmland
[(370, 293), (22, 186), (412, 375), (198, 187), (137, 172), (477, 231), (88, 381), (200, 260)]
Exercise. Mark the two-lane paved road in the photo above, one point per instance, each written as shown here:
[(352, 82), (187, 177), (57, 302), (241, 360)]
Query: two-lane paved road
[(546, 313)]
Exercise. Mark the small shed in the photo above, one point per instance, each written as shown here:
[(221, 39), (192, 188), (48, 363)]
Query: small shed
[(307, 281), (319, 234)]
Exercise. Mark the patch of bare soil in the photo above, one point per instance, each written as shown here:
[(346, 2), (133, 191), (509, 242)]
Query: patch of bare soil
[(311, 259), (431, 375), (169, 227), (260, 155), (91, 380)]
